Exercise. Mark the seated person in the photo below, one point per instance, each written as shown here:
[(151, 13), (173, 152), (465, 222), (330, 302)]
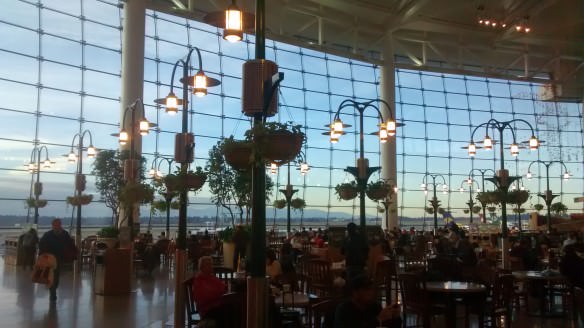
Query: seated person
[(208, 290), (273, 267), (362, 309), (287, 258)]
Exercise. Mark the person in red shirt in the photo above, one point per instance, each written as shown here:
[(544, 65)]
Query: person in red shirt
[(208, 290)]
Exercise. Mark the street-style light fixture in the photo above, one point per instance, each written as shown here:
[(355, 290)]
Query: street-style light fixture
[(233, 31), (131, 164), (362, 171), (434, 202), (548, 196), (34, 167), (470, 180), (184, 154), (156, 173), (289, 191), (80, 180), (502, 180)]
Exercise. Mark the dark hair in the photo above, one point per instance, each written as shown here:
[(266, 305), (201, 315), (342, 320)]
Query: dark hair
[(271, 255), (360, 282), (352, 228)]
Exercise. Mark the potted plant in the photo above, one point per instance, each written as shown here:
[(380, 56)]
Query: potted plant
[(347, 190), (476, 209), (466, 211), (298, 204), (538, 207), (430, 210), (108, 236), (192, 180), (32, 203), (492, 209), (279, 203), (226, 236), (278, 142), (377, 190), (238, 153), (83, 199)]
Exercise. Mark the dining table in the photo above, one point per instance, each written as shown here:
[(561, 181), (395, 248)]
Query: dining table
[(469, 292)]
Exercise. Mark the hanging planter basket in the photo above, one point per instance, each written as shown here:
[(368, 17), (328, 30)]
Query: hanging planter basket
[(466, 211), (281, 147), (238, 154), (298, 203), (347, 191), (32, 203), (79, 200), (377, 191), (190, 181), (280, 203)]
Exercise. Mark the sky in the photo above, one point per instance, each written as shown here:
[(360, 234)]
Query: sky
[(79, 76)]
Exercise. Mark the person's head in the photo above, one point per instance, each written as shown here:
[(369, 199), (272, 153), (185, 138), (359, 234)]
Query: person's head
[(362, 290), (351, 228), (206, 265), (56, 224), (286, 248)]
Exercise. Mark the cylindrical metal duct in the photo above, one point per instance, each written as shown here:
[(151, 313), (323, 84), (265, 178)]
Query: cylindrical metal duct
[(255, 74), (184, 146)]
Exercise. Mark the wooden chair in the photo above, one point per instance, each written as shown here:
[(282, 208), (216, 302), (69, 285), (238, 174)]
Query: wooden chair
[(321, 278), (385, 279), (415, 299), (323, 313), (192, 314), (499, 303)]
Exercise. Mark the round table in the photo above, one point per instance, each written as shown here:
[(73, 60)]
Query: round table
[(452, 290)]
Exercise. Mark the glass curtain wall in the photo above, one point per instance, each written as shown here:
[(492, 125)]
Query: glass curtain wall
[(60, 75)]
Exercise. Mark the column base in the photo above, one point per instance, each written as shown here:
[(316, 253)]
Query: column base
[(257, 302)]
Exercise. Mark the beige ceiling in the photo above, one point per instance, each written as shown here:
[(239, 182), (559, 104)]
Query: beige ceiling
[(435, 35)]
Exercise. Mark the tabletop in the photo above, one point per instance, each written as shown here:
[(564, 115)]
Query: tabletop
[(292, 299), (538, 275), (454, 287)]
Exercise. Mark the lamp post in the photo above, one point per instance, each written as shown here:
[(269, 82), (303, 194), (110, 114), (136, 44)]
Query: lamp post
[(470, 178), (34, 166), (289, 191), (362, 171), (501, 179), (80, 181), (155, 173), (434, 202), (548, 196), (132, 164), (184, 154), (471, 202)]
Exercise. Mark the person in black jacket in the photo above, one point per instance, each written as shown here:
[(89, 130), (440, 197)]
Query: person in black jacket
[(356, 251), (54, 242)]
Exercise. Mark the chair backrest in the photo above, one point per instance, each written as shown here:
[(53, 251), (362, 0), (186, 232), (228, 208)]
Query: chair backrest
[(502, 291), (319, 272), (190, 306), (235, 306), (384, 270), (323, 313), (413, 290)]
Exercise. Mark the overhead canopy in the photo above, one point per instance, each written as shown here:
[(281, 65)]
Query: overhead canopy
[(437, 35)]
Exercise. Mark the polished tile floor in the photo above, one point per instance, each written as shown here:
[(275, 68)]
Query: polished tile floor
[(24, 304)]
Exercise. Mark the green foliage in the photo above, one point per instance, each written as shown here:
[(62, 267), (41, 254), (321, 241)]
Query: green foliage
[(476, 209), (132, 193), (517, 197), (279, 203), (31, 202), (346, 190), (378, 190), (269, 128), (558, 208), (226, 235), (518, 210), (108, 168), (298, 204), (108, 232), (538, 207), (79, 200), (177, 181)]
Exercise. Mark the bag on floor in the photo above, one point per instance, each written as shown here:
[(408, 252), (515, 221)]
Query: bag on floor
[(43, 270)]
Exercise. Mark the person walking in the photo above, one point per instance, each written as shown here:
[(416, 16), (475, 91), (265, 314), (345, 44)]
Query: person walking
[(54, 242), (29, 242)]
